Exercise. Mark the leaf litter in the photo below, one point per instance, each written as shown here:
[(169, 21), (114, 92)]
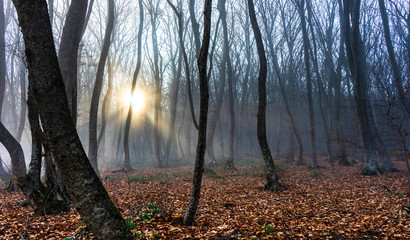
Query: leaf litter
[(321, 204)]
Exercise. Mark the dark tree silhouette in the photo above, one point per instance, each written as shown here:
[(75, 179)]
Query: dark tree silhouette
[(85, 188), (203, 117), (270, 171)]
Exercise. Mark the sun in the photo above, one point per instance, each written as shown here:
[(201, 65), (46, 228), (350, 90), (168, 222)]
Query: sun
[(137, 100)]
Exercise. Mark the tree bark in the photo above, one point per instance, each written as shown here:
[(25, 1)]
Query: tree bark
[(312, 124), (23, 104), (341, 151), (357, 61), (230, 162), (42, 199), (270, 171), (9, 142), (95, 99), (68, 51), (175, 84), (158, 87), (282, 89), (106, 103), (18, 165), (397, 76), (203, 116), (127, 160), (85, 188)]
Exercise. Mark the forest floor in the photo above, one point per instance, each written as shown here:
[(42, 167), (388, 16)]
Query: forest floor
[(324, 203)]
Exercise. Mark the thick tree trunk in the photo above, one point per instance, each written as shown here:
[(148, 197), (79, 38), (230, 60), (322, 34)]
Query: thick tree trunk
[(95, 99), (42, 199), (127, 160), (68, 51), (85, 188), (357, 61), (203, 116), (270, 171)]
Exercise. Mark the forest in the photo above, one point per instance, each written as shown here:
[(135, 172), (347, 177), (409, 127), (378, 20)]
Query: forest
[(172, 119)]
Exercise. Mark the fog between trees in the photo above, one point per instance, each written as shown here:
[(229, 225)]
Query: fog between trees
[(310, 88)]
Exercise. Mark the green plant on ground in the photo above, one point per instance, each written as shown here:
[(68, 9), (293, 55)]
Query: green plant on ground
[(110, 178), (147, 216), (140, 179), (130, 223)]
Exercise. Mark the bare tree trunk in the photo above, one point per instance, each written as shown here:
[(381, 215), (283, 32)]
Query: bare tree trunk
[(158, 85), (312, 124), (230, 162), (203, 116), (321, 89), (42, 199), (95, 99), (2, 57), (127, 160), (357, 61), (270, 171), (9, 142), (68, 51), (51, 11), (285, 100), (23, 104), (195, 26), (85, 188), (394, 66), (341, 151), (18, 165), (195, 29), (175, 84), (215, 116), (106, 103)]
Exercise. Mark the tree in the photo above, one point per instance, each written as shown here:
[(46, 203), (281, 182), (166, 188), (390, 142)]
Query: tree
[(43, 199), (9, 142), (270, 171), (175, 80), (203, 117), (85, 188), (397, 76), (357, 64), (127, 161), (154, 14), (230, 163), (18, 165), (306, 48), (68, 51), (95, 99)]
